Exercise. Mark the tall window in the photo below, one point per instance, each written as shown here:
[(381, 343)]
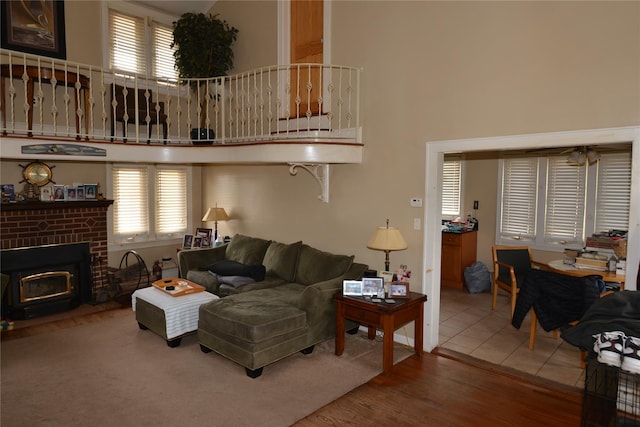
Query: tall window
[(138, 47), (546, 202), (150, 202), (451, 187)]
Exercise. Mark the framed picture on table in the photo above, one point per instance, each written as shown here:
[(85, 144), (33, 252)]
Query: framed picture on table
[(187, 242), (206, 234), (373, 287), (399, 290)]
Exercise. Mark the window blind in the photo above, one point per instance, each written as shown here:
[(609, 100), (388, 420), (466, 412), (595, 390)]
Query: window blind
[(519, 195), (171, 201), (614, 192), (163, 60), (127, 50), (564, 219), (131, 201), (451, 184)]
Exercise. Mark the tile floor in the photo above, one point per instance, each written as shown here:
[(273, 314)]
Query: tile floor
[(469, 326)]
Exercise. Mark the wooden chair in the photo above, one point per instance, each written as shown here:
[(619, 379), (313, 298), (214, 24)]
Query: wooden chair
[(126, 112), (510, 265)]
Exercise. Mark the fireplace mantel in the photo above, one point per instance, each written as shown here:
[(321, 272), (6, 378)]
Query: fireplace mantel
[(27, 206)]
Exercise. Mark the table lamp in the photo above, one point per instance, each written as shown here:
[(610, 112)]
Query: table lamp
[(215, 214), (387, 239)]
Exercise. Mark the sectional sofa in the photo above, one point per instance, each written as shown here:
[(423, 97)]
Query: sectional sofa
[(276, 298)]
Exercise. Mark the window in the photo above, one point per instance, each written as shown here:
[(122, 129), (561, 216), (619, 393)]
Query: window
[(546, 202), (150, 202), (136, 47), (451, 187)]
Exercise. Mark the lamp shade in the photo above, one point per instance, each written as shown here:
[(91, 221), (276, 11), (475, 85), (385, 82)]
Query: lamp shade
[(215, 214), (387, 239)]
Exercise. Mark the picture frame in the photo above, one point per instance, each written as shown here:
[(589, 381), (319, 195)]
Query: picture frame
[(36, 27), (187, 241), (58, 193), (352, 288), (80, 192), (373, 286), (90, 191), (197, 242), (70, 193), (46, 194), (387, 276), (399, 290), (8, 193), (206, 234)]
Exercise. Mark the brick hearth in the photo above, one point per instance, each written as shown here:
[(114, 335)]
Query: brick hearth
[(47, 223)]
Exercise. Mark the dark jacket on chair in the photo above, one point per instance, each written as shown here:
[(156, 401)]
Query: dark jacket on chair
[(557, 299)]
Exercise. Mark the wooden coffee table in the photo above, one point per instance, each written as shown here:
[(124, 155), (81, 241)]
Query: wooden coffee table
[(387, 317)]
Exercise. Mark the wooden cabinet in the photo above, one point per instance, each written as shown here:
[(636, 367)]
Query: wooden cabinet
[(459, 250)]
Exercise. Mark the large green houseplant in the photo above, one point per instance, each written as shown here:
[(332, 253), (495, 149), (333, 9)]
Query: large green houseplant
[(202, 50)]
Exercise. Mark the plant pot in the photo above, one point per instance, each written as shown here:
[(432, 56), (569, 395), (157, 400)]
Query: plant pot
[(202, 136)]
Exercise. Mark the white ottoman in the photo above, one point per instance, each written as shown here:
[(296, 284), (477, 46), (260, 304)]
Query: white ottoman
[(168, 316)]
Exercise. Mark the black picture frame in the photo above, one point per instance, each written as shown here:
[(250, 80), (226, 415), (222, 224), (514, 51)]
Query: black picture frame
[(36, 27)]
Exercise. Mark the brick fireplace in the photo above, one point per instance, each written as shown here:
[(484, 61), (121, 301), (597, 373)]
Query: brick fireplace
[(33, 225)]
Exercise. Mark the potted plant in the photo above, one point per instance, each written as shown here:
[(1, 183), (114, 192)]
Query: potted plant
[(203, 50)]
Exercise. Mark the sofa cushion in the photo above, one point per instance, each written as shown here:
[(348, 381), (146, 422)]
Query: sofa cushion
[(227, 267), (246, 250), (280, 260), (317, 266)]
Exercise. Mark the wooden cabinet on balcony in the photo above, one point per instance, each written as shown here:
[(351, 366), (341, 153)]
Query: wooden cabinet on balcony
[(459, 250)]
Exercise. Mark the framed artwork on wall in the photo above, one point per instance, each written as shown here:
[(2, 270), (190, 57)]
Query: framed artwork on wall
[(35, 27)]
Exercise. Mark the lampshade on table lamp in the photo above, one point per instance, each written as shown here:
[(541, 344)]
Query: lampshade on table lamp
[(215, 214), (387, 239)]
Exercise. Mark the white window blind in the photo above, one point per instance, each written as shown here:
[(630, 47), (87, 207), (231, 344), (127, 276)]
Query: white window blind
[(131, 201), (519, 198), (127, 52), (565, 195), (451, 184), (614, 192), (163, 60), (171, 201)]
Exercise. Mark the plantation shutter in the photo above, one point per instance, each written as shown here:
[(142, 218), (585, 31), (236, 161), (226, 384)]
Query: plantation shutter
[(451, 184), (564, 222), (163, 60), (518, 198), (614, 192), (130, 208), (171, 201), (127, 51)]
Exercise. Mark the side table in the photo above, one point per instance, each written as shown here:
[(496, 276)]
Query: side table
[(387, 317), (168, 316)]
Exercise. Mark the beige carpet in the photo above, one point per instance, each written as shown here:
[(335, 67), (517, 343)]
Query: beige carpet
[(110, 373)]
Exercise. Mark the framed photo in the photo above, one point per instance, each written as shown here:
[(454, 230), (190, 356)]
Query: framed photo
[(34, 27), (399, 290), (387, 276), (197, 242), (8, 193), (58, 192), (80, 192), (187, 242), (352, 288), (206, 234), (373, 286), (90, 191), (70, 193), (46, 194)]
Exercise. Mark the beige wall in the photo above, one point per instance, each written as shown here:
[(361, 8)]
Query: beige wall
[(436, 71)]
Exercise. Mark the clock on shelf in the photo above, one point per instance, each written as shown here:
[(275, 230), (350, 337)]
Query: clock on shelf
[(37, 173)]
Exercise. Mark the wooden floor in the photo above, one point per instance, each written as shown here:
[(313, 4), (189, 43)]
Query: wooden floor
[(444, 388), (449, 389)]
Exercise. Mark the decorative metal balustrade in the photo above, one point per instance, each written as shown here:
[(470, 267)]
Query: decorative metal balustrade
[(47, 98)]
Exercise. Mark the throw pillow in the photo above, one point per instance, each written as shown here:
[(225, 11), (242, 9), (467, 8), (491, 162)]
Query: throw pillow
[(246, 250), (281, 259), (317, 266), (232, 268)]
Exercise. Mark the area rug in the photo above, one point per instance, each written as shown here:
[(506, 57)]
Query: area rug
[(111, 373)]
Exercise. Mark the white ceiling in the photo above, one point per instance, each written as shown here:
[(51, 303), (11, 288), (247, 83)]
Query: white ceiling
[(178, 7)]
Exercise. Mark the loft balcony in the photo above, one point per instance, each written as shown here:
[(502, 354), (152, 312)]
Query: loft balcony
[(301, 115)]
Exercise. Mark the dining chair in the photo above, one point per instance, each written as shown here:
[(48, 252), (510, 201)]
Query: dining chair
[(510, 266), (143, 112)]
